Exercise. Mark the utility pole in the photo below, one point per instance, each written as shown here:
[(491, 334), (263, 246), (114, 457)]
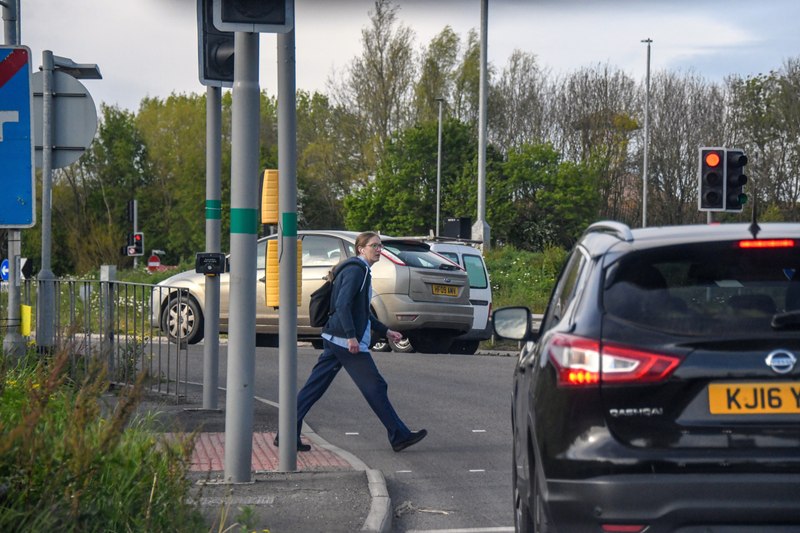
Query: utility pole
[(480, 230), (439, 169), (646, 135)]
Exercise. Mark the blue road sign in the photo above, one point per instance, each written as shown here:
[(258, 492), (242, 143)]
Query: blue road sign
[(17, 207), (4, 270)]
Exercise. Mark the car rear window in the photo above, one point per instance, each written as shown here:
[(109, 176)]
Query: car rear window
[(715, 289), (417, 255)]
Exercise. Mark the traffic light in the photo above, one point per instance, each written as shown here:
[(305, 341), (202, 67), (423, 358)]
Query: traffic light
[(138, 244), (214, 49), (711, 180), (735, 179), (254, 16)]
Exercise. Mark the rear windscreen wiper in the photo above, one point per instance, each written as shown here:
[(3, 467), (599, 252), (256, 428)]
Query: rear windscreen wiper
[(787, 320)]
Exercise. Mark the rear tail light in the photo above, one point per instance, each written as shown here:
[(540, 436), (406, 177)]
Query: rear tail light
[(584, 362)]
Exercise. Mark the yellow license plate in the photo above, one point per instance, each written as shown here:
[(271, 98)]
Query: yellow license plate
[(445, 290), (753, 398)]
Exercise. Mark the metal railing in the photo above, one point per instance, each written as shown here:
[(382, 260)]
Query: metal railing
[(112, 322)]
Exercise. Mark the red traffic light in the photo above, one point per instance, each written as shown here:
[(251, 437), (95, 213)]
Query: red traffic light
[(713, 159), (137, 236)]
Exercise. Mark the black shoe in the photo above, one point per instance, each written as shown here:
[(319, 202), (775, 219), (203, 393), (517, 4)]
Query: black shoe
[(301, 447), (414, 438)]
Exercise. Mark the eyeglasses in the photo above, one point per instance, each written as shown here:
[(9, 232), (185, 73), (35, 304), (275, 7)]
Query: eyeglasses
[(376, 246)]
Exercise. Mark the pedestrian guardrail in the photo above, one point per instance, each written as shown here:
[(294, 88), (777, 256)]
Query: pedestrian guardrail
[(114, 323)]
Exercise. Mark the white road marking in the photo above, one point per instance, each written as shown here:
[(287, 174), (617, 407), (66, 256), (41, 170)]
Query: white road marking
[(470, 530), (477, 470), (351, 433), (479, 431)]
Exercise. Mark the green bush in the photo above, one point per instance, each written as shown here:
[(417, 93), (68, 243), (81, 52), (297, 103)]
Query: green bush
[(70, 463), (524, 278)]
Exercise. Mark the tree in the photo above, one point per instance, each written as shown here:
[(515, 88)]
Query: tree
[(518, 104), (437, 73), (377, 87), (551, 201), (172, 210), (401, 198), (90, 197)]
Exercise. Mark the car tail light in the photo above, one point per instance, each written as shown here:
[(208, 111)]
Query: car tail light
[(583, 362)]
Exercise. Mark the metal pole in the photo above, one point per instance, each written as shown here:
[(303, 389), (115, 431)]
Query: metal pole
[(439, 168), (45, 298), (244, 225), (480, 230), (213, 231), (646, 136), (13, 343), (287, 204), (135, 229)]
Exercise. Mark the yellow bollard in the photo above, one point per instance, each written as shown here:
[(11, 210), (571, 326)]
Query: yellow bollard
[(25, 320)]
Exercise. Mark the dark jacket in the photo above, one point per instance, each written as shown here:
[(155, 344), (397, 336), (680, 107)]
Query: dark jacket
[(350, 297)]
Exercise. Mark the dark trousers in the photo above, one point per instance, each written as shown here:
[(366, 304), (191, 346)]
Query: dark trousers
[(367, 378)]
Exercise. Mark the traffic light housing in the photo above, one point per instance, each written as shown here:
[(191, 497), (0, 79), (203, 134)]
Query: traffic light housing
[(138, 244), (735, 179), (711, 193), (254, 16), (214, 49)]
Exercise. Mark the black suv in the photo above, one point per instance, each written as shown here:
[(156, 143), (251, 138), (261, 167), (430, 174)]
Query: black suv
[(662, 391)]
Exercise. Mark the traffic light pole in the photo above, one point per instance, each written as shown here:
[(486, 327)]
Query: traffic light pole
[(213, 230), (244, 226), (287, 206)]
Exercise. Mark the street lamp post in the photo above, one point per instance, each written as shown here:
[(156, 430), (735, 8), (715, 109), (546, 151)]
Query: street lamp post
[(646, 135), (439, 168), (45, 297)]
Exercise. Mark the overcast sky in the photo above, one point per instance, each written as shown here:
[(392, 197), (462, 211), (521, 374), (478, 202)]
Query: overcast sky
[(149, 47)]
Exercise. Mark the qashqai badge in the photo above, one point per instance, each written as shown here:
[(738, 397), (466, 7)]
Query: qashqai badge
[(781, 361)]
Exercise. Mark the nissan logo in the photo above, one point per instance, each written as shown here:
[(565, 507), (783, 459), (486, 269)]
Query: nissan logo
[(781, 361)]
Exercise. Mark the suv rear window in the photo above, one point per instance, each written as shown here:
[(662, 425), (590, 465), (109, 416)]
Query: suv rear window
[(417, 255), (709, 289)]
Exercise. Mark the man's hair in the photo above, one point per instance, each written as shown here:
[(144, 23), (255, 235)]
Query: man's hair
[(363, 239)]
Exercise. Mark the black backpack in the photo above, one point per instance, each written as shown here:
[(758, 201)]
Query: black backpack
[(319, 306)]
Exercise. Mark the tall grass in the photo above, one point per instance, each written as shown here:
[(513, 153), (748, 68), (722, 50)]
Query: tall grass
[(71, 462)]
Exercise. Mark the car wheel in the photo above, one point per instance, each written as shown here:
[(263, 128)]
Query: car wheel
[(401, 346), (317, 344), (464, 347), (381, 345), (182, 320)]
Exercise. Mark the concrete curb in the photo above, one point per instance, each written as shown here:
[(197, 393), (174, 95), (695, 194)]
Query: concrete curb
[(379, 519)]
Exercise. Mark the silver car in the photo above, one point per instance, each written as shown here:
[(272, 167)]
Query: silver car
[(415, 291)]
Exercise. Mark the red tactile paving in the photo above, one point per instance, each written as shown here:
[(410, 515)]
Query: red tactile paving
[(209, 455)]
